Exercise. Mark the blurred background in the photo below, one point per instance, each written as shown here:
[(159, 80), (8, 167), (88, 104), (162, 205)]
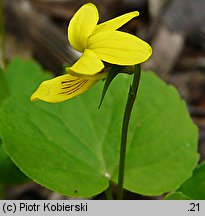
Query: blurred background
[(175, 29)]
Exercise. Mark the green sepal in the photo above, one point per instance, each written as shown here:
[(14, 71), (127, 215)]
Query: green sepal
[(113, 72)]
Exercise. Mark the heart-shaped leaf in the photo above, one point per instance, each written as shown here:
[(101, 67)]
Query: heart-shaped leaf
[(73, 147)]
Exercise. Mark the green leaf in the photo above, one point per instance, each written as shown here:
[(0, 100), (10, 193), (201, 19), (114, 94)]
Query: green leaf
[(176, 196), (73, 148), (195, 186), (163, 140)]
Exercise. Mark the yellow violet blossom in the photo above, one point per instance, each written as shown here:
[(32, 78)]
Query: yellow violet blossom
[(98, 43)]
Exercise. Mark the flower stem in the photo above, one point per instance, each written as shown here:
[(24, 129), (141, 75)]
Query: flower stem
[(2, 38), (128, 109)]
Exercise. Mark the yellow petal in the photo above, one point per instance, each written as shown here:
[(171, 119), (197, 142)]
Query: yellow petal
[(116, 23), (82, 25), (119, 48), (63, 88), (88, 64)]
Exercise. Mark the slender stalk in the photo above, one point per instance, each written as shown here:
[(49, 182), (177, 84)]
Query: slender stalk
[(2, 38), (128, 109)]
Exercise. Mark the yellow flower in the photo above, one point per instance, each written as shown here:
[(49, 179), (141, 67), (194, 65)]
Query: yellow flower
[(98, 43)]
